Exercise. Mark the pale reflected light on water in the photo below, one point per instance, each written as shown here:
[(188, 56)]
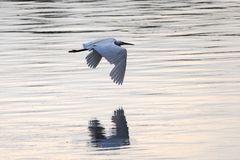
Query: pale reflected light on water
[(181, 90)]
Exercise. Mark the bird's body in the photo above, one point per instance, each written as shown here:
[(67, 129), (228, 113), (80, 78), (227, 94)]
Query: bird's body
[(110, 49)]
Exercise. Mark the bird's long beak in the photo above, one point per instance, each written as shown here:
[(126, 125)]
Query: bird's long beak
[(125, 43)]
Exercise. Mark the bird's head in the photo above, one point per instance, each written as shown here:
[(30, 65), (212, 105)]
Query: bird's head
[(119, 43)]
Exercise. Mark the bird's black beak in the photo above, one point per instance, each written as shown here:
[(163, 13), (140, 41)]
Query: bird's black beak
[(125, 43)]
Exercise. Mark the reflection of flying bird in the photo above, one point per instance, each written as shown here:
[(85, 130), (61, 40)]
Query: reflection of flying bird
[(110, 49), (120, 134)]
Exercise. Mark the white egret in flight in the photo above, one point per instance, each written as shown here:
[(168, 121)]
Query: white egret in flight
[(110, 49)]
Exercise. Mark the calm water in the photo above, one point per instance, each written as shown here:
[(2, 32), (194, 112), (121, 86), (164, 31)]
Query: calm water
[(181, 90)]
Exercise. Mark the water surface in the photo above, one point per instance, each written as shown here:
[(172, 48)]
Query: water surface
[(181, 90)]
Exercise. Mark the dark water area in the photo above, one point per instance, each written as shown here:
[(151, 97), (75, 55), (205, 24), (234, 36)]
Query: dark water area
[(181, 89)]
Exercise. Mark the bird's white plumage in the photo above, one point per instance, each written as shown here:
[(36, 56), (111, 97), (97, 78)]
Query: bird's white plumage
[(98, 42), (113, 53)]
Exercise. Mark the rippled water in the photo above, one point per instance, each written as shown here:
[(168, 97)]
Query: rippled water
[(181, 90)]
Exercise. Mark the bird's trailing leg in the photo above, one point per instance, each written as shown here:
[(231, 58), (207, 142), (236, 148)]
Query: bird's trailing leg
[(79, 50)]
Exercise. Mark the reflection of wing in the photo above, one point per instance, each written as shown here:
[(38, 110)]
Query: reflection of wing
[(96, 130), (119, 119), (115, 55), (93, 59)]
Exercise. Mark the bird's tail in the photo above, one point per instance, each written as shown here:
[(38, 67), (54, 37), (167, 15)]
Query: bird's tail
[(79, 50)]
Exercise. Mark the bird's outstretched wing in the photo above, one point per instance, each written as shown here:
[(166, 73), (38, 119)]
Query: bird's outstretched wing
[(118, 72), (115, 55), (93, 59)]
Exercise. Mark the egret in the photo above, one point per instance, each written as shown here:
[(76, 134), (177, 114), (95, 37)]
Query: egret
[(110, 49), (120, 134)]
